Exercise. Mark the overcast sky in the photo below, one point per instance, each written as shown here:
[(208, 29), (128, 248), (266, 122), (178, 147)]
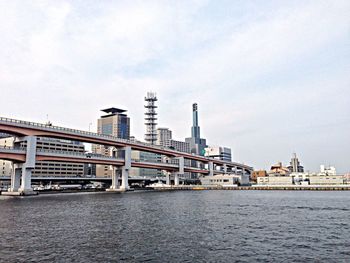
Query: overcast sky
[(270, 77)]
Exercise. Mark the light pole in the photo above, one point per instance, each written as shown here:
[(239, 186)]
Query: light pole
[(90, 126)]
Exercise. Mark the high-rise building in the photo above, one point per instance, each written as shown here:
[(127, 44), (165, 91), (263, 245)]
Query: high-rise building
[(217, 152), (197, 144), (163, 135), (150, 118), (295, 166), (115, 123), (164, 138)]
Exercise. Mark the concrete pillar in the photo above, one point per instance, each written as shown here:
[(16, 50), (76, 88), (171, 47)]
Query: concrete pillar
[(176, 179), (115, 178), (167, 176), (181, 170), (16, 177), (126, 168), (225, 168), (29, 165), (211, 168), (234, 170)]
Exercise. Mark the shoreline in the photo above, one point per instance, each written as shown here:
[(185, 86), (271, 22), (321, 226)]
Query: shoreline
[(259, 187), (204, 188)]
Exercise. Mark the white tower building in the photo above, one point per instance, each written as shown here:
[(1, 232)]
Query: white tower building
[(150, 118)]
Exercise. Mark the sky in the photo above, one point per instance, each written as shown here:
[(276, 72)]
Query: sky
[(270, 77)]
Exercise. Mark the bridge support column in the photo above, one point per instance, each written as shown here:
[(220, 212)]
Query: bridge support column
[(28, 166), (181, 170), (16, 177), (176, 179), (234, 170), (167, 178), (115, 179), (211, 168), (225, 168), (126, 168)]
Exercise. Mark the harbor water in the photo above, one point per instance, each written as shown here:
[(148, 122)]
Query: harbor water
[(177, 226)]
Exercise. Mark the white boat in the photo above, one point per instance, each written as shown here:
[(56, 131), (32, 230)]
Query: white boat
[(157, 185)]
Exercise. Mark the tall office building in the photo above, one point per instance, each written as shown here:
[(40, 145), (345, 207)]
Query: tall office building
[(197, 144), (150, 118), (115, 123), (295, 166)]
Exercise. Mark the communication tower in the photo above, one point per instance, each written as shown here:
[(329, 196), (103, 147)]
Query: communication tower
[(150, 118)]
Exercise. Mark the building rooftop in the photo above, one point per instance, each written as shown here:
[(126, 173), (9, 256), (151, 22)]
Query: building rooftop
[(113, 110)]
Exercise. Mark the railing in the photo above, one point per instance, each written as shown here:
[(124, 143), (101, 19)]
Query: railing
[(78, 154), (12, 149), (75, 131)]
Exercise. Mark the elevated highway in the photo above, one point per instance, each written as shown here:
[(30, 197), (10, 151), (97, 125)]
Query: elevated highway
[(26, 128), (19, 155), (25, 158)]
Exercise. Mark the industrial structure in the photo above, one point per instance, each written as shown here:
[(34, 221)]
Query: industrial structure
[(150, 118)]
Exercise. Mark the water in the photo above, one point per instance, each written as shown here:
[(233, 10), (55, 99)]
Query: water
[(188, 226)]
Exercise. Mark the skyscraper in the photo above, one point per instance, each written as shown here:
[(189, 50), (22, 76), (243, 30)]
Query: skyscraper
[(197, 144), (195, 131), (115, 123)]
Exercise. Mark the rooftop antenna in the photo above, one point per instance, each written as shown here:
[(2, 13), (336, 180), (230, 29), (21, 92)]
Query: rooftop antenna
[(48, 123)]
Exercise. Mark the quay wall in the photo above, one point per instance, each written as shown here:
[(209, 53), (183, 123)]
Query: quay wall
[(262, 187)]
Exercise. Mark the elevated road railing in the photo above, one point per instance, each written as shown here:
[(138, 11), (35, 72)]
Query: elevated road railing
[(78, 157), (82, 133)]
